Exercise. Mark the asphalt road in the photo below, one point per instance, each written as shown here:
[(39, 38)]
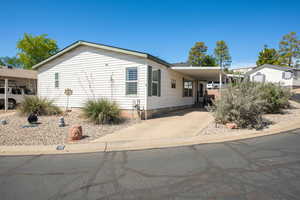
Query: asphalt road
[(261, 168)]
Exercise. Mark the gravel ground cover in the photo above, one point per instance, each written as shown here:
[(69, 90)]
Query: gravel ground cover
[(48, 132), (288, 115), (8, 111)]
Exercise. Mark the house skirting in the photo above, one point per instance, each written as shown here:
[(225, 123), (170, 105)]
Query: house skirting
[(156, 112), (135, 114), (142, 114)]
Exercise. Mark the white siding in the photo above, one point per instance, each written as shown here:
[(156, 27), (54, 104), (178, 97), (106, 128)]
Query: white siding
[(273, 76), (296, 80), (170, 97), (88, 71)]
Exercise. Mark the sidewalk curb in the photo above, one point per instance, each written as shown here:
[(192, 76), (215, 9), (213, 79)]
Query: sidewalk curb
[(142, 144)]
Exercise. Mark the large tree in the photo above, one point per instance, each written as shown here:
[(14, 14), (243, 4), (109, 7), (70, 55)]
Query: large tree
[(11, 61), (289, 49), (268, 56), (197, 54), (209, 60), (222, 54), (34, 49)]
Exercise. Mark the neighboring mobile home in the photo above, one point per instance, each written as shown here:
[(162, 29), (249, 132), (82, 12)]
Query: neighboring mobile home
[(134, 80), (285, 76), (15, 84)]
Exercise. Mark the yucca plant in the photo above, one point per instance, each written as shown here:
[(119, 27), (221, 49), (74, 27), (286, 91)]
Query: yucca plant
[(101, 111), (42, 106)]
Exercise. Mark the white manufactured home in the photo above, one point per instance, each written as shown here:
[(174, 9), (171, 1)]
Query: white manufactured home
[(284, 76), (134, 80)]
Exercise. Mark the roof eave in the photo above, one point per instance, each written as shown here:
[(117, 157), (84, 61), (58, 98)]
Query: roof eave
[(105, 47)]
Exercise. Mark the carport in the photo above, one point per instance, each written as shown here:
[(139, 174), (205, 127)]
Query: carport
[(202, 75), (16, 78)]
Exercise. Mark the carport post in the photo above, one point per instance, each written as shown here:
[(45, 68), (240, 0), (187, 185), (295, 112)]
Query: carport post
[(5, 94), (220, 79)]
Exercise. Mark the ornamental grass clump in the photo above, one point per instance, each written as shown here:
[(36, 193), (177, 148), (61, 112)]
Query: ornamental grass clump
[(102, 111), (41, 106), (240, 104)]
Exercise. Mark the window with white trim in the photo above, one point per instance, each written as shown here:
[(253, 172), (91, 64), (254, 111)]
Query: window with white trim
[(259, 77), (287, 75), (155, 83), (131, 80), (173, 83), (187, 88), (56, 80)]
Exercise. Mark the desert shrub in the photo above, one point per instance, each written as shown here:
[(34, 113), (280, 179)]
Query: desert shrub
[(42, 106), (241, 104), (101, 111), (276, 97)]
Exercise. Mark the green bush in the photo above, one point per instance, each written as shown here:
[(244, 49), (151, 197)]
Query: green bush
[(101, 111), (42, 106), (246, 102), (277, 97), (240, 104)]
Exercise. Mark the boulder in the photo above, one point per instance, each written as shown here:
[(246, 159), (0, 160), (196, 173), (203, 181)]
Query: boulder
[(75, 133), (231, 125), (3, 122)]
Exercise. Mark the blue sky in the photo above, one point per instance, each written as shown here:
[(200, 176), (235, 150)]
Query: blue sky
[(166, 28)]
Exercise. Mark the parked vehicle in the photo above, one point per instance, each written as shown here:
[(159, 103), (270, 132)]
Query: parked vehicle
[(15, 96), (210, 85), (217, 85), (214, 85)]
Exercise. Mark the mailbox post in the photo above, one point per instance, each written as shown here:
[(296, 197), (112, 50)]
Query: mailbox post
[(68, 93)]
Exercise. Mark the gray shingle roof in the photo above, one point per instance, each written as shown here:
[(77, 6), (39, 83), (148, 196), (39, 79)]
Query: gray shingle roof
[(270, 66)]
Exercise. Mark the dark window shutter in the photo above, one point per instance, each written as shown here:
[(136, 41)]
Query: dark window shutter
[(182, 87), (159, 83), (192, 88), (149, 85)]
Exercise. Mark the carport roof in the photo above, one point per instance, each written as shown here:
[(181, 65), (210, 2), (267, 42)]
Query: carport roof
[(17, 73), (200, 73)]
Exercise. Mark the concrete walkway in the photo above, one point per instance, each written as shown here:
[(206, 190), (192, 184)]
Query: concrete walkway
[(178, 124)]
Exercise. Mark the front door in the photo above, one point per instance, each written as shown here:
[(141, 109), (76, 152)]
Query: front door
[(200, 93)]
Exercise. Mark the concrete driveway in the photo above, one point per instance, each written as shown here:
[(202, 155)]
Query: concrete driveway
[(177, 124)]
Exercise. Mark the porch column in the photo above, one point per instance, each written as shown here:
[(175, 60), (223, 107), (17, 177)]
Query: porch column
[(220, 79), (5, 94)]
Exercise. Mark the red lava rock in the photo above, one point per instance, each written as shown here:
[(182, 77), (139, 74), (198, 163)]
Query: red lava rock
[(75, 133), (231, 125)]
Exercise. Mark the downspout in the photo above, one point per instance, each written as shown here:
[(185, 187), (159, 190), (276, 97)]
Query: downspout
[(5, 95)]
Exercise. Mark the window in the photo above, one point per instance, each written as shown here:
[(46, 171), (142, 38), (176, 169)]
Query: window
[(259, 77), (56, 80), (131, 81), (155, 83), (187, 88), (2, 90), (287, 75), (16, 91), (173, 83)]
